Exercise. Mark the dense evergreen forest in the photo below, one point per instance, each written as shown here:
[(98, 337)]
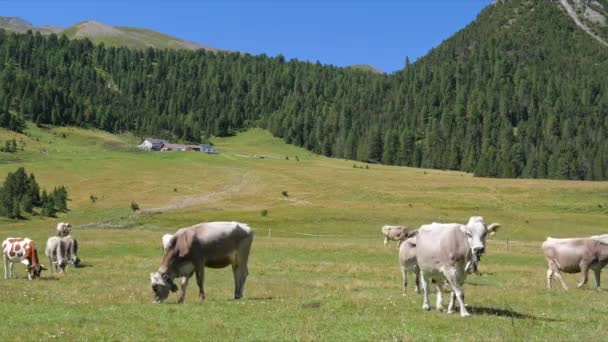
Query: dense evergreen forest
[(520, 92)]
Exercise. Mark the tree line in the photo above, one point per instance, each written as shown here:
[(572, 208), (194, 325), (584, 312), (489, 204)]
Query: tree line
[(519, 92)]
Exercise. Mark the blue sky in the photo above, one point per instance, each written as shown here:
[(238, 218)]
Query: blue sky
[(340, 32)]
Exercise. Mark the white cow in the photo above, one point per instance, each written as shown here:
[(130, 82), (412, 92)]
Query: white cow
[(442, 251)]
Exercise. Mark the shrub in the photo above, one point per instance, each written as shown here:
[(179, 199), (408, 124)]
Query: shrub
[(134, 206), (284, 193), (264, 212), (93, 198)]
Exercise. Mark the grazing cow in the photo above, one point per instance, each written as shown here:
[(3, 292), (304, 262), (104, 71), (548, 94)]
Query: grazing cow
[(21, 250), (397, 233), (576, 255), (211, 244), (64, 229), (443, 249), (407, 261), (62, 251), (166, 241)]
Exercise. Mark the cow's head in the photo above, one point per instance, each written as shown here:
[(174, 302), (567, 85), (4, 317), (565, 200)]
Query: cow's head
[(35, 270), (161, 285), (64, 229), (75, 261), (476, 232)]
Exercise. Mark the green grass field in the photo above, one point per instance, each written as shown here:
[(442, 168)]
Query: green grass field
[(318, 269)]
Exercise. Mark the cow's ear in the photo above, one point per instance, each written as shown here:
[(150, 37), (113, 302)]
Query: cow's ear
[(464, 229), (493, 228)]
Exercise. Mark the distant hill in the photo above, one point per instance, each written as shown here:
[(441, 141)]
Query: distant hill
[(131, 37)]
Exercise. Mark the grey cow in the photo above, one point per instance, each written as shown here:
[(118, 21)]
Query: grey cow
[(408, 264), (576, 255), (397, 233), (443, 249), (62, 251), (211, 244)]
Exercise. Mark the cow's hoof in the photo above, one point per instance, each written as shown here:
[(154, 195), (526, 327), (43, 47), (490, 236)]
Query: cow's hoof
[(465, 314), (449, 312), (426, 307)]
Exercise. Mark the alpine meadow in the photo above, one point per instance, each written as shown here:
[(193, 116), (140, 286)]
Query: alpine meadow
[(507, 119)]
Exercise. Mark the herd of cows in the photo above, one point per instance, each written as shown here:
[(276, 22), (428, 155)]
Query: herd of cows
[(438, 253)]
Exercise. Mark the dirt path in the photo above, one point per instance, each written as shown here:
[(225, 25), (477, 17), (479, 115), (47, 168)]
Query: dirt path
[(572, 13), (190, 201)]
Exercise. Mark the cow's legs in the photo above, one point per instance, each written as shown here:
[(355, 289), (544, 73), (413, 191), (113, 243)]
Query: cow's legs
[(11, 270), (425, 292), (199, 269), (455, 282), (52, 266), (596, 273), (451, 303), (584, 275), (5, 259), (385, 241), (549, 277), (242, 270), (417, 279), (439, 299), (559, 277), (184, 286), (404, 278)]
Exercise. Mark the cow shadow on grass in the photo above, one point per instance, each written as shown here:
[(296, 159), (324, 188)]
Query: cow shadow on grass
[(48, 278), (481, 310), (83, 265)]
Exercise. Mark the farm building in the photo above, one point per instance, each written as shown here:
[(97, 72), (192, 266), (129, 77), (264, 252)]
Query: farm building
[(206, 148), (180, 147), (152, 144)]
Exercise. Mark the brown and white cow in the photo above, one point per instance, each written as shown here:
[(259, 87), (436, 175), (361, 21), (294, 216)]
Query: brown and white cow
[(442, 251), (576, 255), (21, 250), (211, 244), (397, 233)]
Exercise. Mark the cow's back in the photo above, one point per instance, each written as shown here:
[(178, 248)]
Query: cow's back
[(211, 239), (440, 245)]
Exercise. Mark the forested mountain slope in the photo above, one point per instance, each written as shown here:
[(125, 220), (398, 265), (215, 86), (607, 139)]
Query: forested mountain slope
[(520, 92)]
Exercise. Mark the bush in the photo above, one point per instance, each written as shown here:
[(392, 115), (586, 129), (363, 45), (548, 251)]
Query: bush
[(264, 212), (134, 206), (93, 198), (284, 193)]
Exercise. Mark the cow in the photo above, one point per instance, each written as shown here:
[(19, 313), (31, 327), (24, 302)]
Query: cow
[(21, 250), (575, 255), (397, 233), (407, 262), (210, 244), (62, 251), (63, 229), (442, 250)]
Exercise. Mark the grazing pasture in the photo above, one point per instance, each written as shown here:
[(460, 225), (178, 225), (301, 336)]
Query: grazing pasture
[(318, 269)]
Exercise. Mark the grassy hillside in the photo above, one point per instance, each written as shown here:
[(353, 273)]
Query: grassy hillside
[(341, 284), (131, 37)]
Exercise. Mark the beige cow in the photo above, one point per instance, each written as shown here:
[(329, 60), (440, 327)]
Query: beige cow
[(576, 255), (397, 233), (211, 244)]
